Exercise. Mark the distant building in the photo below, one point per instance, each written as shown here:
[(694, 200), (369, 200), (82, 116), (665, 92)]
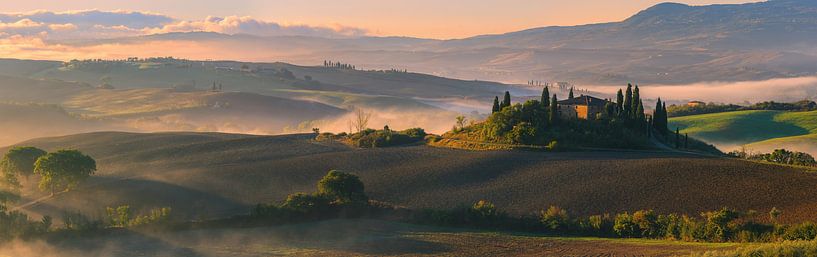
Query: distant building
[(695, 103), (583, 107)]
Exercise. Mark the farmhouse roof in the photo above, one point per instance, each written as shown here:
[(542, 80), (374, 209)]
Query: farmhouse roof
[(584, 100)]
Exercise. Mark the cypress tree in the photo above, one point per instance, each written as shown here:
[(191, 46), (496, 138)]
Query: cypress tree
[(664, 120), (628, 101), (636, 101), (686, 140), (620, 101), (656, 117), (496, 105), (545, 97), (554, 110), (570, 95), (506, 101), (639, 113)]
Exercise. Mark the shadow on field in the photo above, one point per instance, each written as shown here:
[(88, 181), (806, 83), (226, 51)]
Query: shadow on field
[(142, 196)]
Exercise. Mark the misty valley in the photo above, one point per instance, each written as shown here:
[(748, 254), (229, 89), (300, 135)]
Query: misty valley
[(683, 129)]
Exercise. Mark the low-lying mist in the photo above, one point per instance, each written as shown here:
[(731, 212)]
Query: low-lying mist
[(779, 90)]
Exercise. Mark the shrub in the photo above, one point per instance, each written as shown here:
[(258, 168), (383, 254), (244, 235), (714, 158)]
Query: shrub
[(306, 203), (342, 188), (555, 219), (625, 226), (804, 231)]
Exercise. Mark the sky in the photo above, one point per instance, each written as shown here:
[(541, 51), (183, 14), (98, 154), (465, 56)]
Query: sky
[(416, 18)]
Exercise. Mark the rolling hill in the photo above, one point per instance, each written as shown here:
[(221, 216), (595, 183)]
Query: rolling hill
[(759, 131), (668, 43), (256, 98), (202, 175)]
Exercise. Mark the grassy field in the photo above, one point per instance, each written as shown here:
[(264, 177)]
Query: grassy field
[(204, 175), (349, 238), (759, 130)]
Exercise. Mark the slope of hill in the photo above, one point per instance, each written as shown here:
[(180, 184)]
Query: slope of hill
[(213, 175), (758, 130), (665, 44)]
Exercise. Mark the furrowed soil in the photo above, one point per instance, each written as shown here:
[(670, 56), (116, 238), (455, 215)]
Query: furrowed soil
[(207, 175), (347, 238)]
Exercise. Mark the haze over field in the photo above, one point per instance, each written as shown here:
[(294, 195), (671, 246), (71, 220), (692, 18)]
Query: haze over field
[(410, 128)]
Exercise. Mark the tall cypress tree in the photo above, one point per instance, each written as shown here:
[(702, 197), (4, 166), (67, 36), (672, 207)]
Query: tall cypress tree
[(570, 95), (554, 110), (506, 101), (628, 101), (636, 101), (664, 119), (545, 97), (656, 117), (639, 113), (496, 107), (620, 101)]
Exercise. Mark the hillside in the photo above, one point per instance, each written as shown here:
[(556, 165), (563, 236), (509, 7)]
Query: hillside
[(668, 43), (215, 175), (758, 130)]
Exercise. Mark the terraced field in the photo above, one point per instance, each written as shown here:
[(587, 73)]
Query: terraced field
[(203, 175), (758, 130)]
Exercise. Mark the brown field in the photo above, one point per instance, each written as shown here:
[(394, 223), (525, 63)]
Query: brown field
[(203, 175), (347, 238)]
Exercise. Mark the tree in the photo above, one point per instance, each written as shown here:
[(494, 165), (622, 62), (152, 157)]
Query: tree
[(545, 97), (686, 140), (496, 107), (461, 122), (570, 94), (361, 120), (639, 113), (506, 100), (343, 188), (620, 101), (635, 101), (20, 161), (64, 169), (628, 101), (554, 110), (658, 121)]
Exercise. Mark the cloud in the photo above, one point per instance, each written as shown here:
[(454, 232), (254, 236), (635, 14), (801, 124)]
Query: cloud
[(95, 24), (249, 25)]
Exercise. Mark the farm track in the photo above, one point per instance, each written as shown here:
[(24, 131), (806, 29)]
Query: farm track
[(203, 175)]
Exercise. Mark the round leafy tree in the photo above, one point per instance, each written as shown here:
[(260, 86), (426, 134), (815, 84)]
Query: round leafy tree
[(343, 188), (64, 169), (20, 160)]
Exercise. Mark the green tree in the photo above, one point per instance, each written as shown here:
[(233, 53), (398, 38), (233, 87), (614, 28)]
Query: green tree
[(20, 161), (620, 101), (63, 169), (628, 101), (506, 100), (496, 107), (639, 113), (657, 119), (570, 94), (635, 101), (343, 188), (545, 97)]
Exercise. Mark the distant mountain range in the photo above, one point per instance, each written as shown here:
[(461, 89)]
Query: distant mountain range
[(666, 44)]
